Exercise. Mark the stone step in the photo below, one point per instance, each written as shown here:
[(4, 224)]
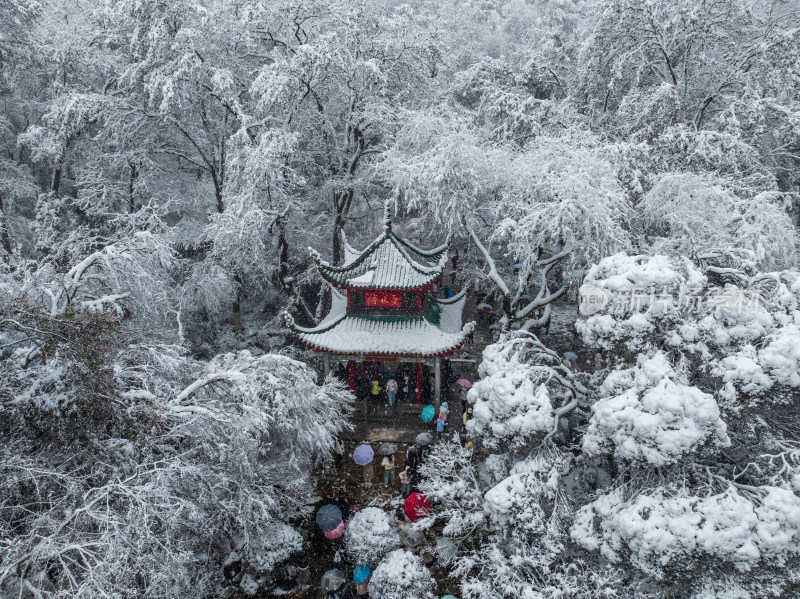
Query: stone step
[(400, 424)]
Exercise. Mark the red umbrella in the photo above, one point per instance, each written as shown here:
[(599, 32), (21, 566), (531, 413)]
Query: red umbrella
[(417, 507)]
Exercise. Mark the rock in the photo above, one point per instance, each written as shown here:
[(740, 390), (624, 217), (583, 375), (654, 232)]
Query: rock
[(232, 565), (249, 585)]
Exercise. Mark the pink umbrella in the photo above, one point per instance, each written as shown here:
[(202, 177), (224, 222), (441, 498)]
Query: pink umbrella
[(464, 383), (336, 532)]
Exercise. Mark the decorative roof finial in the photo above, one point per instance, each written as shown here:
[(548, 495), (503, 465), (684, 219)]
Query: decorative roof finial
[(387, 215)]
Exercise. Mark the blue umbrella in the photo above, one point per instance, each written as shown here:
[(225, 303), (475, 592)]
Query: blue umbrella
[(328, 517), (363, 454), (361, 573), (428, 412)]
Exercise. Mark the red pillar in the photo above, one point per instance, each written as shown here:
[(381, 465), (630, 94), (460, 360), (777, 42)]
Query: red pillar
[(419, 382), (351, 374)]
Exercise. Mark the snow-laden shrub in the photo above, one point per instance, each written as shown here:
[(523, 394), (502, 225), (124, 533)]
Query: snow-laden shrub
[(665, 526), (370, 535), (657, 419), (401, 575), (626, 312), (273, 547), (742, 324), (524, 501), (521, 380)]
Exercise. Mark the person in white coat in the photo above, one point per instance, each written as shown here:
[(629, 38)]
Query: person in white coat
[(391, 391)]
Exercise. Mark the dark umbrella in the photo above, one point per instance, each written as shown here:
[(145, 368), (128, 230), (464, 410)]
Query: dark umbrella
[(411, 537), (328, 517), (332, 580), (387, 449), (423, 439)]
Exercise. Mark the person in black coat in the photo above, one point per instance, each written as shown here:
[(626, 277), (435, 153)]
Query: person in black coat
[(342, 501)]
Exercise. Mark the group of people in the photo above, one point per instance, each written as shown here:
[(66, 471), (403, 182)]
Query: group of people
[(382, 388), (409, 476)]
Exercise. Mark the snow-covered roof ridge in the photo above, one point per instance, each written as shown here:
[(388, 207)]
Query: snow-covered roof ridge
[(317, 258), (387, 215), (451, 300), (389, 262), (450, 311), (350, 253), (435, 252), (327, 324)]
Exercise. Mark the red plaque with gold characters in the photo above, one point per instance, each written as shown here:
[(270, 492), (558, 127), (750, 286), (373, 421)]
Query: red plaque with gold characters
[(373, 299)]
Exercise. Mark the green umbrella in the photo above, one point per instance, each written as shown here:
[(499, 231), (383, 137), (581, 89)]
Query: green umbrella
[(428, 412)]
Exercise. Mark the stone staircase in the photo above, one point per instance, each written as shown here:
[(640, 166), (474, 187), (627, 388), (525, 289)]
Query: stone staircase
[(375, 423)]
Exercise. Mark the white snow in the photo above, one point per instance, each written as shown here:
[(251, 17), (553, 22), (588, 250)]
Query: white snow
[(249, 585), (657, 419), (379, 335), (369, 535), (401, 575), (662, 527)]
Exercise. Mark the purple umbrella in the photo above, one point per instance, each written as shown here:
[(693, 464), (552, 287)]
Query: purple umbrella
[(363, 454), (464, 383)]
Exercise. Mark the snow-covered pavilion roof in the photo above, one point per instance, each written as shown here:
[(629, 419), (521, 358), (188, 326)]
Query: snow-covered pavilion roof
[(447, 312), (436, 332), (389, 262), (384, 335)]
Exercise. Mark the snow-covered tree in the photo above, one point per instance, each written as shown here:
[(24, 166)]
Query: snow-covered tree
[(713, 376), (370, 535), (690, 215), (649, 414), (523, 391), (144, 467), (401, 575), (452, 483)]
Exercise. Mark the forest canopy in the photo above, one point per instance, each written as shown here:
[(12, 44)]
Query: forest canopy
[(165, 166)]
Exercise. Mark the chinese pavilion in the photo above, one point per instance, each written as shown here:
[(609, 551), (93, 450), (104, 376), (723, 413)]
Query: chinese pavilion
[(382, 309)]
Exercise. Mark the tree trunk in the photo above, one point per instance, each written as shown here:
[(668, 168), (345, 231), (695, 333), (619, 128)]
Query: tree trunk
[(55, 181), (217, 191), (238, 325), (338, 248), (283, 257), (134, 174), (5, 240)]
